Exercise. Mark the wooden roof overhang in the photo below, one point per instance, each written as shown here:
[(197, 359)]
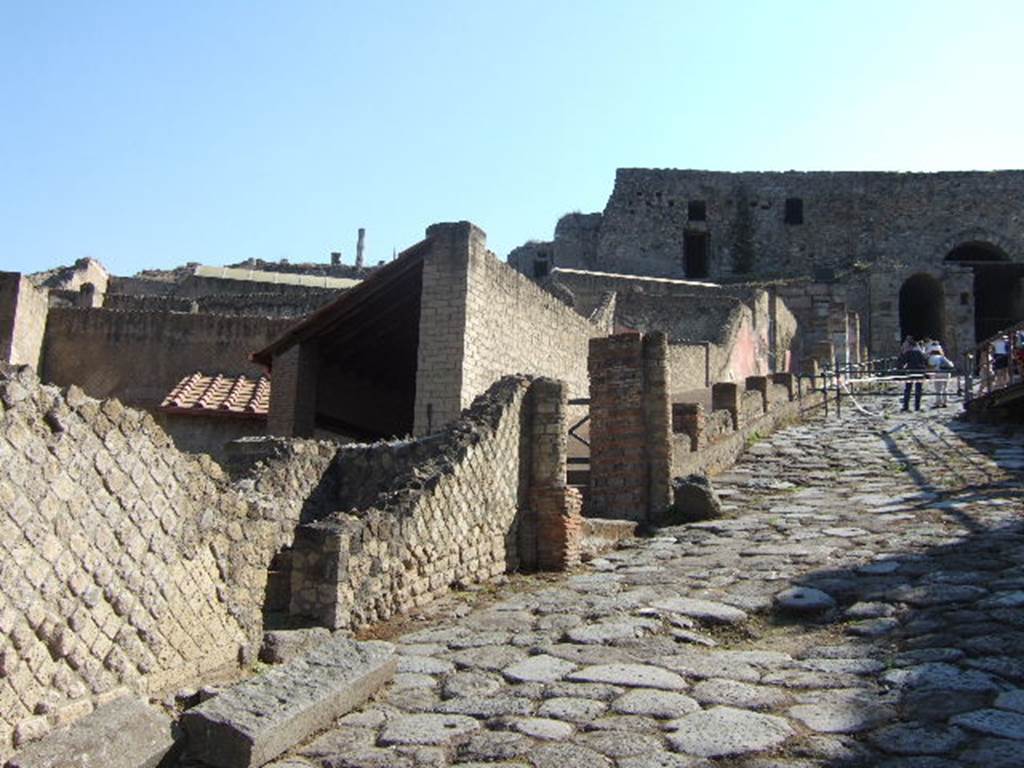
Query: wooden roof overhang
[(384, 306)]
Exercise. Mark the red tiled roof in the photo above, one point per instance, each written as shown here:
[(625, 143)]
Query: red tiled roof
[(219, 396)]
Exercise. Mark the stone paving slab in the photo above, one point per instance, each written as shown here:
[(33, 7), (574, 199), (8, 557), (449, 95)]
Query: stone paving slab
[(258, 719), (125, 733), (672, 651)]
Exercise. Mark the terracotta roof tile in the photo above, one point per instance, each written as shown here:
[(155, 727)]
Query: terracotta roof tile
[(219, 395)]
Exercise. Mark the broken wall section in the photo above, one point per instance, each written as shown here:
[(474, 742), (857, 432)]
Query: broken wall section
[(23, 309), (123, 562), (485, 496)]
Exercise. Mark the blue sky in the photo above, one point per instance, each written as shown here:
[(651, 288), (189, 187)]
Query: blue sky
[(152, 134)]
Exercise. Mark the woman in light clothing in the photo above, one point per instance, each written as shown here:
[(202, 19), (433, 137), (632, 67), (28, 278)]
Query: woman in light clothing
[(939, 367)]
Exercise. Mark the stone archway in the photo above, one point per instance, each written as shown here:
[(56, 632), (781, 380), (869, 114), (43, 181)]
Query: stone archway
[(922, 307), (998, 285)]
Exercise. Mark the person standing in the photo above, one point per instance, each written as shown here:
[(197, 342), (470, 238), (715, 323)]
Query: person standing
[(939, 367), (915, 363)]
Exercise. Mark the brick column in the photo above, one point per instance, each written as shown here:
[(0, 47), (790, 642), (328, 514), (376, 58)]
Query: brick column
[(658, 424), (618, 466), (293, 392), (630, 427), (441, 352), (554, 508), (725, 396)]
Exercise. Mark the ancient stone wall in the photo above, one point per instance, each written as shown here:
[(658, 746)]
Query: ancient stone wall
[(721, 334), (481, 320), (253, 304), (73, 277), (415, 517), (123, 562), (708, 441), (23, 310), (140, 356), (198, 433), (575, 245), (846, 218)]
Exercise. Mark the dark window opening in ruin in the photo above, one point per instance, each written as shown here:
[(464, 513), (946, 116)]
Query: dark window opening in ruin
[(794, 210), (697, 210), (998, 287), (695, 254), (922, 311), (541, 267)]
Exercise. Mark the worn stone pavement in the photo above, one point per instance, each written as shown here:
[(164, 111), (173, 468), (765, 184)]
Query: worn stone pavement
[(675, 650)]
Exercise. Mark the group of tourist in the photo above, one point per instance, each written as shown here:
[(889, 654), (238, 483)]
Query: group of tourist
[(1002, 360), (924, 358)]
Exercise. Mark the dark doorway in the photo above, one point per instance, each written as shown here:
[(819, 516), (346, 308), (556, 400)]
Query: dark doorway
[(997, 287), (922, 312), (695, 254)]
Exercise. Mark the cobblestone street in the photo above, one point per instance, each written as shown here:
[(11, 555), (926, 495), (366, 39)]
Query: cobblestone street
[(863, 606)]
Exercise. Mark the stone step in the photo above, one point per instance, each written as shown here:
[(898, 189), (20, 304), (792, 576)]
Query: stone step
[(253, 722), (126, 733)]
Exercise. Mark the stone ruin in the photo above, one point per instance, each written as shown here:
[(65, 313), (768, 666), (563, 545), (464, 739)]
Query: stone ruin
[(416, 433)]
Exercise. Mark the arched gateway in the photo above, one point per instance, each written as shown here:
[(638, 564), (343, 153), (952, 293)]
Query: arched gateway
[(998, 286)]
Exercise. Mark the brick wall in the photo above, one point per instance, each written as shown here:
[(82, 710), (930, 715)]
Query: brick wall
[(123, 562), (630, 422), (481, 320)]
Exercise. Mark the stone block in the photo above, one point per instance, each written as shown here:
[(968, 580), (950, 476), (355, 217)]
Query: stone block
[(126, 733), (283, 645), (255, 721)]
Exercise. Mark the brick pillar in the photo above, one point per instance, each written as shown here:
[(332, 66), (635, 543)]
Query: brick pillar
[(630, 427), (293, 392), (555, 509), (759, 384), (657, 424), (618, 466), (725, 396), (441, 391)]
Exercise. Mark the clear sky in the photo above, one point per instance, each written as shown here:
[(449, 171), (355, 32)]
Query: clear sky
[(149, 134)]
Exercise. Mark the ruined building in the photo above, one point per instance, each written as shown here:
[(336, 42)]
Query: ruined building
[(927, 254), (202, 454)]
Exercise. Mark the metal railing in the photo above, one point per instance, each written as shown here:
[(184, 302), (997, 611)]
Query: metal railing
[(878, 377), (997, 363)]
